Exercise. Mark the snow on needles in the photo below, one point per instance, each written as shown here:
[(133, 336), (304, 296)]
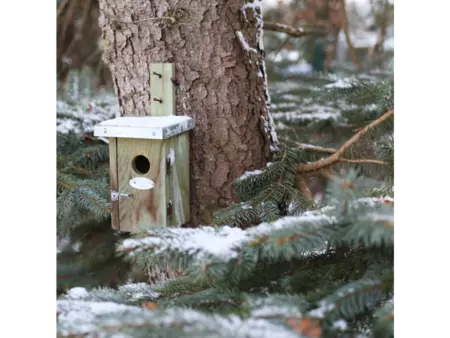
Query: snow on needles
[(78, 317), (222, 243), (205, 241), (77, 293), (341, 83)]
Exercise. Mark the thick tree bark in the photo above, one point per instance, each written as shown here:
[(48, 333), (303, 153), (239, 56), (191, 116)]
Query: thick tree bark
[(216, 46)]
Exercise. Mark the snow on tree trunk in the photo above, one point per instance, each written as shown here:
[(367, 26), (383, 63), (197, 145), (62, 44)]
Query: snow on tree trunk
[(216, 46)]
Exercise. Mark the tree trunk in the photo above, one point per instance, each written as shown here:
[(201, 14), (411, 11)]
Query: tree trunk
[(216, 46)]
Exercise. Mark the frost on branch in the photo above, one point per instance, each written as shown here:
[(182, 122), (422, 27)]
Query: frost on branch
[(222, 244), (113, 320)]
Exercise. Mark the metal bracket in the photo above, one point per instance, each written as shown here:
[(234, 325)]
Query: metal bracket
[(115, 195)]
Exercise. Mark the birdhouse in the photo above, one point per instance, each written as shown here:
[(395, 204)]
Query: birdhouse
[(149, 161)]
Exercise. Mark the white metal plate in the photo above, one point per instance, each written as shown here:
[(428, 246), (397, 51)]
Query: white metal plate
[(141, 183)]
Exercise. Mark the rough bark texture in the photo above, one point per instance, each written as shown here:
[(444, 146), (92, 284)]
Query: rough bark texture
[(216, 46)]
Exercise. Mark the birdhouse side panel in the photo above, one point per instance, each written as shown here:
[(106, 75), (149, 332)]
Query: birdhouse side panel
[(177, 187), (141, 176), (113, 177)]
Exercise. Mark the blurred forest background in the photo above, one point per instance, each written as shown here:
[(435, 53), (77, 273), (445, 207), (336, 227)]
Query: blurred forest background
[(344, 35)]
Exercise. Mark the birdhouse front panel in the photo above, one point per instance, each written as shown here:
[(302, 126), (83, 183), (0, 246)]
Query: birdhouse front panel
[(141, 176)]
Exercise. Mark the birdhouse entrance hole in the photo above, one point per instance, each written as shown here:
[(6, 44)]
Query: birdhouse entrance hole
[(141, 164)]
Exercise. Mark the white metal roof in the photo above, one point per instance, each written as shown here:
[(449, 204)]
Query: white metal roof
[(144, 127)]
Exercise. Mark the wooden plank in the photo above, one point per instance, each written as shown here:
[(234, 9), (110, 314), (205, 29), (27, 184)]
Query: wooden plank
[(177, 179), (145, 209), (113, 177), (162, 88)]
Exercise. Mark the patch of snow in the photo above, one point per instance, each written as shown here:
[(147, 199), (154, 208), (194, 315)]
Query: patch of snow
[(139, 290), (375, 217), (340, 325), (246, 206), (282, 105), (370, 107), (340, 83), (206, 241), (77, 293), (85, 113), (276, 310), (76, 317), (373, 201), (244, 43), (295, 116), (301, 68), (249, 173), (66, 126), (290, 55), (273, 133), (255, 5), (171, 157), (222, 243), (322, 310)]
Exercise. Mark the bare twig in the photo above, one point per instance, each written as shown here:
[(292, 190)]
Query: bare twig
[(362, 161), (296, 32), (335, 157), (315, 148)]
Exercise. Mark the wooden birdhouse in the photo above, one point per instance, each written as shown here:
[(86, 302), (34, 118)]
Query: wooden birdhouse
[(149, 161)]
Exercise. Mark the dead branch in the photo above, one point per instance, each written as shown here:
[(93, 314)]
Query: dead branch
[(302, 185), (332, 151), (336, 156), (296, 32)]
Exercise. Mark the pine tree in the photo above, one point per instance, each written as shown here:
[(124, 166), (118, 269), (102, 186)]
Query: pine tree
[(279, 262)]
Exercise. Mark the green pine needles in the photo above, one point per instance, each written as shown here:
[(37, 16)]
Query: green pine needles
[(277, 263), (86, 243), (266, 194)]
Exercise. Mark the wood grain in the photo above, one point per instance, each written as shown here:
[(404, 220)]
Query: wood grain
[(177, 186), (163, 89), (146, 208)]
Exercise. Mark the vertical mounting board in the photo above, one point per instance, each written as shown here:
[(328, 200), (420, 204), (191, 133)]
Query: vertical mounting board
[(162, 88)]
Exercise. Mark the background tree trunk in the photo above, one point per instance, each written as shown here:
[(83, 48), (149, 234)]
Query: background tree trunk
[(217, 49)]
